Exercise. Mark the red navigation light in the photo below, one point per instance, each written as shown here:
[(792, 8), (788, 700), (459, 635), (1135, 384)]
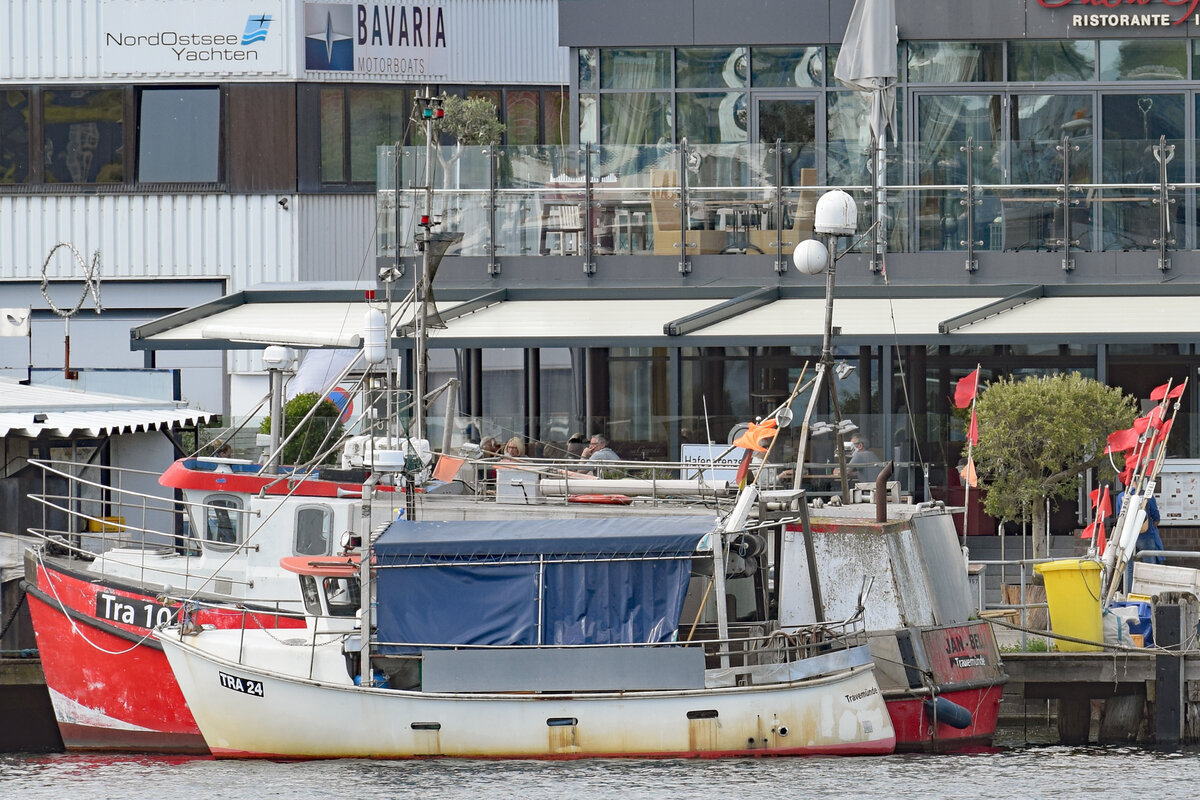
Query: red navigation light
[(425, 220), (370, 293)]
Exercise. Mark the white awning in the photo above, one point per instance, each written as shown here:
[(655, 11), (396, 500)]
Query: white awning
[(864, 319), (62, 413), (1164, 317), (301, 324)]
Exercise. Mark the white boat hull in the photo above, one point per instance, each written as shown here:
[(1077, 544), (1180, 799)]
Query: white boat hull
[(250, 713)]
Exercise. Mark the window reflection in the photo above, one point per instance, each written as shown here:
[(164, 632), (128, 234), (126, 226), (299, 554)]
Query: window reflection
[(14, 136), (1051, 61), (1143, 60), (635, 69), (954, 62), (711, 67), (1133, 124), (83, 136), (635, 118), (712, 117), (376, 117), (945, 123), (780, 67)]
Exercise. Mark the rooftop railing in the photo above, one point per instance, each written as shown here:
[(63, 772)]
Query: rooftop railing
[(758, 200)]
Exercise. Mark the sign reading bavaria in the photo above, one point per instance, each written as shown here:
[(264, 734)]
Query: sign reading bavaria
[(396, 40), (203, 37)]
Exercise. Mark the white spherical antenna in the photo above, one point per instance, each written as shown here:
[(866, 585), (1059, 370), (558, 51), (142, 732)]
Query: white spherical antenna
[(810, 257)]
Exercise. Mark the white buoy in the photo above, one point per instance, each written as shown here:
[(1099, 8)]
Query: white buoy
[(374, 336)]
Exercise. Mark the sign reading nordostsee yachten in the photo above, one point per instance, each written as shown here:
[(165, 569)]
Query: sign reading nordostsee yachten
[(203, 37)]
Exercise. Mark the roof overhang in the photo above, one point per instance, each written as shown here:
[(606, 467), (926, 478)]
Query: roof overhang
[(724, 316), (48, 411)]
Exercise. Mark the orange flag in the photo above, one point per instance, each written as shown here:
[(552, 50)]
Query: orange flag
[(757, 435), (969, 475)]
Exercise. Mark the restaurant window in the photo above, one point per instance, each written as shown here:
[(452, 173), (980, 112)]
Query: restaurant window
[(1051, 61), (1132, 126), (635, 69), (635, 117), (954, 62), (638, 397), (711, 117), (179, 135), (711, 67), (555, 120), (1143, 60), (14, 136), (83, 135), (589, 72), (786, 67)]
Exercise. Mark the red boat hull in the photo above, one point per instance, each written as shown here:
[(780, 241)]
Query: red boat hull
[(110, 684), (915, 730)]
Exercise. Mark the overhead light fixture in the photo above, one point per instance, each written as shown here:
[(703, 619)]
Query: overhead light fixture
[(846, 426), (820, 429), (843, 369)]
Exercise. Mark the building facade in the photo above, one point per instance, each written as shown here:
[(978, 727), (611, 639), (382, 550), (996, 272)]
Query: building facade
[(196, 148)]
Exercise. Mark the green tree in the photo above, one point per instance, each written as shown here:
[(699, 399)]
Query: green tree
[(1036, 438), (312, 437)]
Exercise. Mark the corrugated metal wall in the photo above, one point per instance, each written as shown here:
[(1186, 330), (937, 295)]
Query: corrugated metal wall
[(249, 238), (497, 41), (337, 237)]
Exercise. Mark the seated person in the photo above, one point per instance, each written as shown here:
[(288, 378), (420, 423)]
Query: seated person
[(598, 450), (514, 448), (863, 455)]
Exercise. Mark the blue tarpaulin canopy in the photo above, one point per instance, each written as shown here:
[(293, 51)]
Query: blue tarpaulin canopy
[(525, 582)]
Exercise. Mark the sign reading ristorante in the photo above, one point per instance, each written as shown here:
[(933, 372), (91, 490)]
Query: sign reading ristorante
[(1127, 13)]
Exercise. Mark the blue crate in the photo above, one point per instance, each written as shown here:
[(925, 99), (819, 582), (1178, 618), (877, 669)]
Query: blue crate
[(1143, 624)]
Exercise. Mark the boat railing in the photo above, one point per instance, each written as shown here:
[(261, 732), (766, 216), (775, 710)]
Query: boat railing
[(89, 510)]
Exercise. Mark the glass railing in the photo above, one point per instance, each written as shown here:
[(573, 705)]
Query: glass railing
[(758, 200)]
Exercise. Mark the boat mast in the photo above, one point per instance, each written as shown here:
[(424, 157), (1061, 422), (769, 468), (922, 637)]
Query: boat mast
[(431, 110)]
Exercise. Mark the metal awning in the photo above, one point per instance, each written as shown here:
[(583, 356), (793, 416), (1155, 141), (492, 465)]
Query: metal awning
[(693, 317), (63, 413)]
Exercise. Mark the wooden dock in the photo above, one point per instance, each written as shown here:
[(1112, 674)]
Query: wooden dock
[(25, 703)]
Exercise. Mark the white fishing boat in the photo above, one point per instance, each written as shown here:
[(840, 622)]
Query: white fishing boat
[(530, 639)]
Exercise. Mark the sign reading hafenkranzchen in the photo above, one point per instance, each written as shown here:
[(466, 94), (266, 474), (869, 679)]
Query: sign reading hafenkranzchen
[(203, 37), (397, 40)]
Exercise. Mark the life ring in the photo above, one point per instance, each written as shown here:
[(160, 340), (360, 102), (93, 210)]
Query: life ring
[(601, 499)]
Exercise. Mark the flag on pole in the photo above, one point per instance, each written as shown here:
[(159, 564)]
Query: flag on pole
[(757, 435), (969, 476), (1122, 440), (973, 429), (1160, 392), (964, 391)]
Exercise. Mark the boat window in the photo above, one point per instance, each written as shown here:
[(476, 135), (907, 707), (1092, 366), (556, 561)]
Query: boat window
[(223, 520), (312, 598), (314, 528), (342, 596)]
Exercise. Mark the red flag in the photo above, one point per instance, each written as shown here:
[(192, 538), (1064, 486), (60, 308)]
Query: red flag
[(1096, 529), (1150, 420), (1163, 432), (1161, 391), (757, 434), (973, 429), (1126, 474), (1101, 501), (965, 389), (1122, 440)]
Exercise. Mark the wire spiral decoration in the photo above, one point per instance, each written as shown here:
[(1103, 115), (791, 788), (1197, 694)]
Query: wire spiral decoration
[(91, 280)]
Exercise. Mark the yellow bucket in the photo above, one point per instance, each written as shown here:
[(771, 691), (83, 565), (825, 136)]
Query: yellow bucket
[(1073, 594)]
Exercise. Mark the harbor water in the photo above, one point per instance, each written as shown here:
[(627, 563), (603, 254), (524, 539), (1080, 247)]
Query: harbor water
[(1013, 771)]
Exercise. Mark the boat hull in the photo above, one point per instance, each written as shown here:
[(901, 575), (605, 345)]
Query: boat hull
[(108, 680), (917, 732), (250, 713)]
